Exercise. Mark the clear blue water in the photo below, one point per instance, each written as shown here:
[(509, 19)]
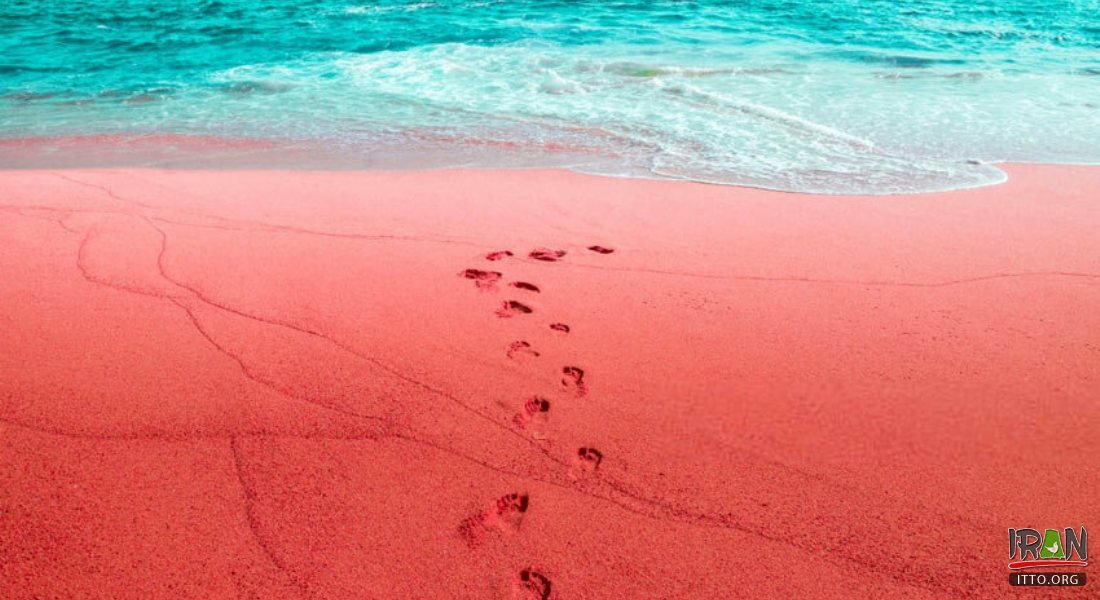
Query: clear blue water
[(872, 96)]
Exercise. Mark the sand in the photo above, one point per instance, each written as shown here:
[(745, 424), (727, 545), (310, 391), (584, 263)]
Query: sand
[(316, 384)]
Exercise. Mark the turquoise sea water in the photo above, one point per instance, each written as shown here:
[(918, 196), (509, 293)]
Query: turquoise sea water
[(872, 96)]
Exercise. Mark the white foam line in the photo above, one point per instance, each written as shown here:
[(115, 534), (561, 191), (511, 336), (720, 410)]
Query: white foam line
[(771, 114)]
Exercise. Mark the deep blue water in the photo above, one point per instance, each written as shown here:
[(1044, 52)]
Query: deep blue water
[(831, 95)]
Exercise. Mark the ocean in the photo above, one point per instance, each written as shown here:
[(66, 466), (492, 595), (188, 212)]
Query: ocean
[(826, 96)]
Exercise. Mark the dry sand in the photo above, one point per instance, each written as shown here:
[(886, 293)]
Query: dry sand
[(312, 384)]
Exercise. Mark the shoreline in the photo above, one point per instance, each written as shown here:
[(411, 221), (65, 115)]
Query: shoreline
[(200, 152), (292, 383)]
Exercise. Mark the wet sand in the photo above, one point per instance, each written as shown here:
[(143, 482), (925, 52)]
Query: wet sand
[(538, 384)]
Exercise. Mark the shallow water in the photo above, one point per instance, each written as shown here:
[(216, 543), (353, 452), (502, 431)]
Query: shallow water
[(827, 96)]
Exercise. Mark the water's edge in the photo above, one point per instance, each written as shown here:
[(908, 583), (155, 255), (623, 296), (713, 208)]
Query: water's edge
[(209, 154)]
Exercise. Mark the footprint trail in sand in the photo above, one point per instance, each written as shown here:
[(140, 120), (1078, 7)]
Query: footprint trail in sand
[(532, 417)]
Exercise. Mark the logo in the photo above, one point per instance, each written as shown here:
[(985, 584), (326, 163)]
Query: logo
[(1030, 548)]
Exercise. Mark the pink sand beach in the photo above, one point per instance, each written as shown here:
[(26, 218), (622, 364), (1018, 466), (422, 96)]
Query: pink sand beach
[(539, 384)]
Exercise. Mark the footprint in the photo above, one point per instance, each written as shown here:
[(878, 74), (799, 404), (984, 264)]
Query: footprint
[(505, 514), (533, 416), (562, 327), (573, 379), (523, 285), (482, 279), (520, 349), (601, 249), (511, 308), (511, 505), (498, 255), (545, 254), (531, 585), (586, 462)]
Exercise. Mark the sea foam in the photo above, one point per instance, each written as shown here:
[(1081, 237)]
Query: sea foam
[(830, 97)]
